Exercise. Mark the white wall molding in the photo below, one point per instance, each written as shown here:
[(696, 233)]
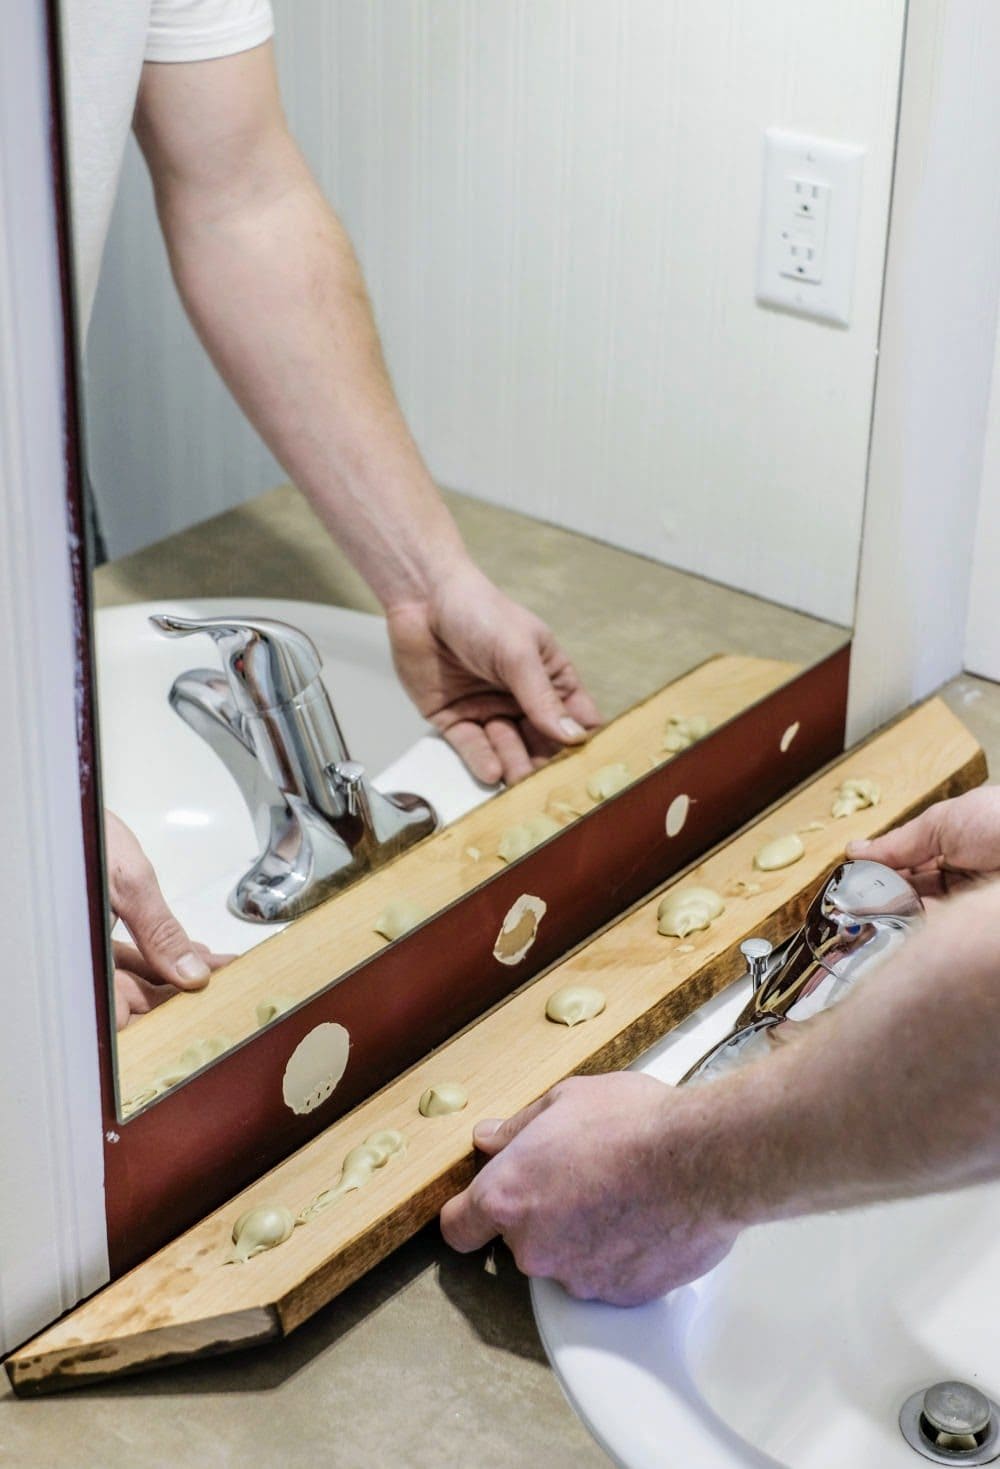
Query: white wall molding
[(53, 1245), (982, 644), (936, 357)]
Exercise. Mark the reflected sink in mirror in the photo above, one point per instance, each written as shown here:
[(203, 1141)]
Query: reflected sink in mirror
[(166, 783), (799, 1350)]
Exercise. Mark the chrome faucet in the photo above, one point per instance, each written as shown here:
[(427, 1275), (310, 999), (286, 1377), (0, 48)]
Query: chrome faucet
[(319, 822), (862, 913)]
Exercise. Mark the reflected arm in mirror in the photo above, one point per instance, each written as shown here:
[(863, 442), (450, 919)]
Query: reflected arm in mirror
[(272, 285), (894, 1093), (163, 959)]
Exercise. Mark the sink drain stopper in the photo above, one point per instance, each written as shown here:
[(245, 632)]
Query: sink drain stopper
[(952, 1423)]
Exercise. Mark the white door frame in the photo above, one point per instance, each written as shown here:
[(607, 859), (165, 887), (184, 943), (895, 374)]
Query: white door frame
[(53, 1242), (937, 348), (928, 429)]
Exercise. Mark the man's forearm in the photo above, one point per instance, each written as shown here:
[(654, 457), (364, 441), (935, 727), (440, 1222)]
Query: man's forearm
[(272, 285), (895, 1092)]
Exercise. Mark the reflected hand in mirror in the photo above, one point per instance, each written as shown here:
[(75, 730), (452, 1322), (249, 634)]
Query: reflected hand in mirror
[(163, 959), (490, 676)]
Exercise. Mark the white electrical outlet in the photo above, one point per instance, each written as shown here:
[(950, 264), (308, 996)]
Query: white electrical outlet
[(809, 225)]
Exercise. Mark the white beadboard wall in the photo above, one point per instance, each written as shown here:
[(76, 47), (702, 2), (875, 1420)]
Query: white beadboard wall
[(556, 206)]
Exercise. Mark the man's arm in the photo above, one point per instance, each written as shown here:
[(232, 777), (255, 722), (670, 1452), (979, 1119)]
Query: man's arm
[(623, 1188), (270, 281)]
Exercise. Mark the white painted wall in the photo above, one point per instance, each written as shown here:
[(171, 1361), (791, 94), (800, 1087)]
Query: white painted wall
[(982, 648), (53, 1241), (556, 207)]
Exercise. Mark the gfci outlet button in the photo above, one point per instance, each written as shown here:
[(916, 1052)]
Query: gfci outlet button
[(810, 211)]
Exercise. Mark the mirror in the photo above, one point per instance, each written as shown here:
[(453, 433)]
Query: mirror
[(637, 361)]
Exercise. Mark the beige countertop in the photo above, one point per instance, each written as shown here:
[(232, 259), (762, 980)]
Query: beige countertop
[(428, 1361)]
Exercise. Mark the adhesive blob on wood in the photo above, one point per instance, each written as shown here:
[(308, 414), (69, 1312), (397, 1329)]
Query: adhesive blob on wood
[(260, 1229), (398, 916), (855, 795), (272, 1006), (575, 1003), (357, 1170), (444, 1098), (608, 781), (685, 910), (683, 731), (517, 841), (315, 1067), (781, 852)]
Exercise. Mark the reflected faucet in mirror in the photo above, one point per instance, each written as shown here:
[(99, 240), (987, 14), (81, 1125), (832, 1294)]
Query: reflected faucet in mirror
[(860, 915), (320, 823)]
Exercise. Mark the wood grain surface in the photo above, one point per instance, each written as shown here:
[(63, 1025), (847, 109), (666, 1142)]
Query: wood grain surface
[(185, 1301), (295, 962)]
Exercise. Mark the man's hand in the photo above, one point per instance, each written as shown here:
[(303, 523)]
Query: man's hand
[(623, 1188), (490, 675), (599, 1185), (946, 846), (164, 960)]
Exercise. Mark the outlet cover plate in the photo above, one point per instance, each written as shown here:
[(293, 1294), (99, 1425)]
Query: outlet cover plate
[(810, 209)]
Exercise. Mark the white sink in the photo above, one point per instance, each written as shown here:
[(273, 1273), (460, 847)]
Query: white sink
[(162, 779), (801, 1347)]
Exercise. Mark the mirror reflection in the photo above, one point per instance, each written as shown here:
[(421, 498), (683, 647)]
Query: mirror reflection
[(442, 404)]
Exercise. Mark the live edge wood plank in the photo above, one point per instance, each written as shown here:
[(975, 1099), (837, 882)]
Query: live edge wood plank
[(185, 1302), (441, 869)]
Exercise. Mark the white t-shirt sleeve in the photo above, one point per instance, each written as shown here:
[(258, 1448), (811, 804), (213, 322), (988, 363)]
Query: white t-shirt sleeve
[(203, 30)]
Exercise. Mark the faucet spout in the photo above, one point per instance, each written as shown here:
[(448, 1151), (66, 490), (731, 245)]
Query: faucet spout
[(201, 698)]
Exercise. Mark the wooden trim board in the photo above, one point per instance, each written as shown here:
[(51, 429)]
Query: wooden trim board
[(185, 1302), (445, 867)]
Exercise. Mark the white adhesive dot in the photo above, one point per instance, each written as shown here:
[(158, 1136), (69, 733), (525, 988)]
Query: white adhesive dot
[(315, 1067), (519, 929), (677, 814), (788, 736)]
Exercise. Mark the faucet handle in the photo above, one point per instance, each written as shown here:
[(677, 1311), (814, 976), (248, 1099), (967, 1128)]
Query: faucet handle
[(756, 952), (348, 779), (268, 663), (860, 890)]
